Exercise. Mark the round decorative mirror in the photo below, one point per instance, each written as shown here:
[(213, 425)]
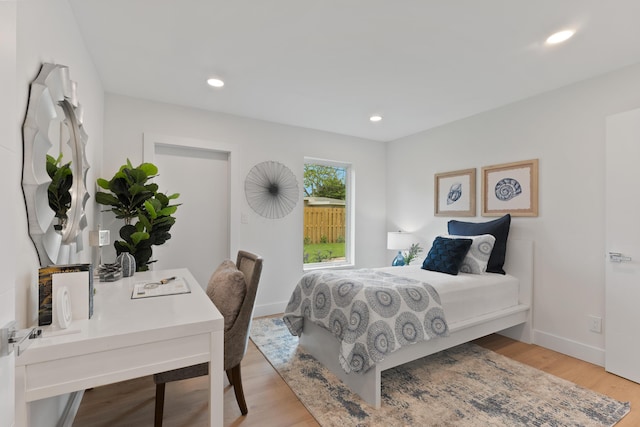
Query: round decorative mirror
[(55, 166)]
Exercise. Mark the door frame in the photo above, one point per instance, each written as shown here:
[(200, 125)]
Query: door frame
[(151, 140)]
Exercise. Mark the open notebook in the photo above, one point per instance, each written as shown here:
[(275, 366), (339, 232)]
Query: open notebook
[(171, 286)]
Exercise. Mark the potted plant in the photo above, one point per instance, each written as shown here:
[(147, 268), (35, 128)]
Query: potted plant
[(412, 253), (146, 212), (58, 191)]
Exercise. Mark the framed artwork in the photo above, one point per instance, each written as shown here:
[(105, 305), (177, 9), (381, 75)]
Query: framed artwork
[(510, 188), (455, 193)]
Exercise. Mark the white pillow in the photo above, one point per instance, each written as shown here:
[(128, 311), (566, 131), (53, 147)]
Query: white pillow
[(475, 262)]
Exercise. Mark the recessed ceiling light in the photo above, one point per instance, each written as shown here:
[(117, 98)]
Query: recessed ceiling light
[(560, 36), (215, 82), (375, 118)]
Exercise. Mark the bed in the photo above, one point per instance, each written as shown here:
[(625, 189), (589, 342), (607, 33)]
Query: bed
[(508, 313)]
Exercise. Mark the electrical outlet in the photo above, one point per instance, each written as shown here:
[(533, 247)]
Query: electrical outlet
[(99, 238), (595, 324)]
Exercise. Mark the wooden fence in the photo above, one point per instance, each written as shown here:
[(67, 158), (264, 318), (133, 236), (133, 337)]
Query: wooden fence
[(324, 224)]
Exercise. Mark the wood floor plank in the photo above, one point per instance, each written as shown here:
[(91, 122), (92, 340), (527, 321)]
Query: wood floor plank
[(272, 403)]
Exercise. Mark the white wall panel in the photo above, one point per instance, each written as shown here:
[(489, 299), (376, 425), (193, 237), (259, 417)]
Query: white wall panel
[(47, 32), (252, 141), (565, 129), (9, 176)]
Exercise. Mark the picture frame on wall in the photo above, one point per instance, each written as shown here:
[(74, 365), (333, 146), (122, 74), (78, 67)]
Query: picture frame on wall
[(510, 188), (455, 193)]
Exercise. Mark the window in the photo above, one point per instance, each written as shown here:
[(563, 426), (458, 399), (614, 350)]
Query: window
[(327, 214)]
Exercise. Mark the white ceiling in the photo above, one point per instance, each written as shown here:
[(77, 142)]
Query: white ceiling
[(330, 64)]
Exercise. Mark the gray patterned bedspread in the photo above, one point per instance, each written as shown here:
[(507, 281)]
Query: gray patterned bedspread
[(372, 313)]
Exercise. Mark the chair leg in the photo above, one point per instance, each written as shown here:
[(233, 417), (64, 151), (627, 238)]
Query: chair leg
[(159, 405), (236, 378), (228, 371)]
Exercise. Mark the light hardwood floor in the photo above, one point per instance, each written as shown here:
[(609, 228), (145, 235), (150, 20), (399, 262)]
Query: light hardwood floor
[(271, 402)]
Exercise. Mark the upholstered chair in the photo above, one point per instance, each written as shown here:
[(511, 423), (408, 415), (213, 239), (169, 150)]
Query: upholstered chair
[(232, 288)]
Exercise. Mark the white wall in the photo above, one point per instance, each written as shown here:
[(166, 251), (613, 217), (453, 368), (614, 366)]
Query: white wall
[(11, 154), (253, 141), (47, 32), (565, 129)]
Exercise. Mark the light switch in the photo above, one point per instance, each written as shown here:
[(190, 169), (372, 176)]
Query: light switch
[(244, 218)]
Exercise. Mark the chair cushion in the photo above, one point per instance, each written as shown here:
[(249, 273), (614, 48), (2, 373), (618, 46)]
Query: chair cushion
[(227, 290)]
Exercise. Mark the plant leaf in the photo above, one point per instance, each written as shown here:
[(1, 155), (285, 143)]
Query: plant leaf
[(169, 210), (148, 205), (106, 199), (144, 221), (149, 169), (138, 236)]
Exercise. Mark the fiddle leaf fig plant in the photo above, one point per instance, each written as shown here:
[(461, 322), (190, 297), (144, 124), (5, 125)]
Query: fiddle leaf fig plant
[(58, 192), (128, 190), (131, 197)]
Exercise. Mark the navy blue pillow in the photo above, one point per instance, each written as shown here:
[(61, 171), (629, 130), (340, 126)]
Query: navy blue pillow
[(498, 228), (446, 255)]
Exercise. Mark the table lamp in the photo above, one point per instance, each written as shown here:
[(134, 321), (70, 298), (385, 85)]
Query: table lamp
[(399, 240)]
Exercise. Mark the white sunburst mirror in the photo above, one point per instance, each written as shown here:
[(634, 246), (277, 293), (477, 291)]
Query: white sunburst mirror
[(53, 125)]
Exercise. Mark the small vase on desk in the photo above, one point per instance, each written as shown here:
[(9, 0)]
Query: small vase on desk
[(128, 264)]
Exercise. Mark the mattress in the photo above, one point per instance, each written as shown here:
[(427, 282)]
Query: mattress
[(466, 295)]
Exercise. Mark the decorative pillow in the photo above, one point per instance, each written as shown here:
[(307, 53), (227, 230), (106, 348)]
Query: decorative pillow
[(498, 228), (446, 255), (475, 262), (227, 289)]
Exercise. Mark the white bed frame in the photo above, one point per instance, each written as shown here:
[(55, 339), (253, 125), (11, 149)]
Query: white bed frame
[(514, 322)]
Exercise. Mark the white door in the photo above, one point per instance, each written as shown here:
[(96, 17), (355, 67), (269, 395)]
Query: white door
[(622, 321), (200, 236)]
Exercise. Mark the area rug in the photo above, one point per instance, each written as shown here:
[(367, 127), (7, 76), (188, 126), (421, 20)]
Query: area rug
[(466, 386)]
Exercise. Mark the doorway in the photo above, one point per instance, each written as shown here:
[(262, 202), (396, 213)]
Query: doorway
[(200, 238)]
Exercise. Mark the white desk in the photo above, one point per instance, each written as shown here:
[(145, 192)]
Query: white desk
[(126, 339)]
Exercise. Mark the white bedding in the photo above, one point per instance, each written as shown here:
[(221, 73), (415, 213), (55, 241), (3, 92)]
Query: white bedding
[(466, 295)]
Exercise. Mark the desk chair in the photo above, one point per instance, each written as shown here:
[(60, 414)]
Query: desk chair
[(232, 288)]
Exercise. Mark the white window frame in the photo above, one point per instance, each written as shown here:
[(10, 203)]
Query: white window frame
[(349, 251)]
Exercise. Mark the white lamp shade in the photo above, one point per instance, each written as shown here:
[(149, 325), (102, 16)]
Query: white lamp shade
[(399, 240)]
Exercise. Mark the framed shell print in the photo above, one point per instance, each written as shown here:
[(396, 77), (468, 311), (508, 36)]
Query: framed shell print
[(510, 188), (455, 193)]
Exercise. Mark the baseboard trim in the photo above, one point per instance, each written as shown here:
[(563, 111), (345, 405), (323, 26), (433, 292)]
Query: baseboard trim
[(71, 409), (269, 309), (569, 347)]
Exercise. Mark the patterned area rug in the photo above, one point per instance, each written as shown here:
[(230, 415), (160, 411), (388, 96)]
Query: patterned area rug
[(467, 386)]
